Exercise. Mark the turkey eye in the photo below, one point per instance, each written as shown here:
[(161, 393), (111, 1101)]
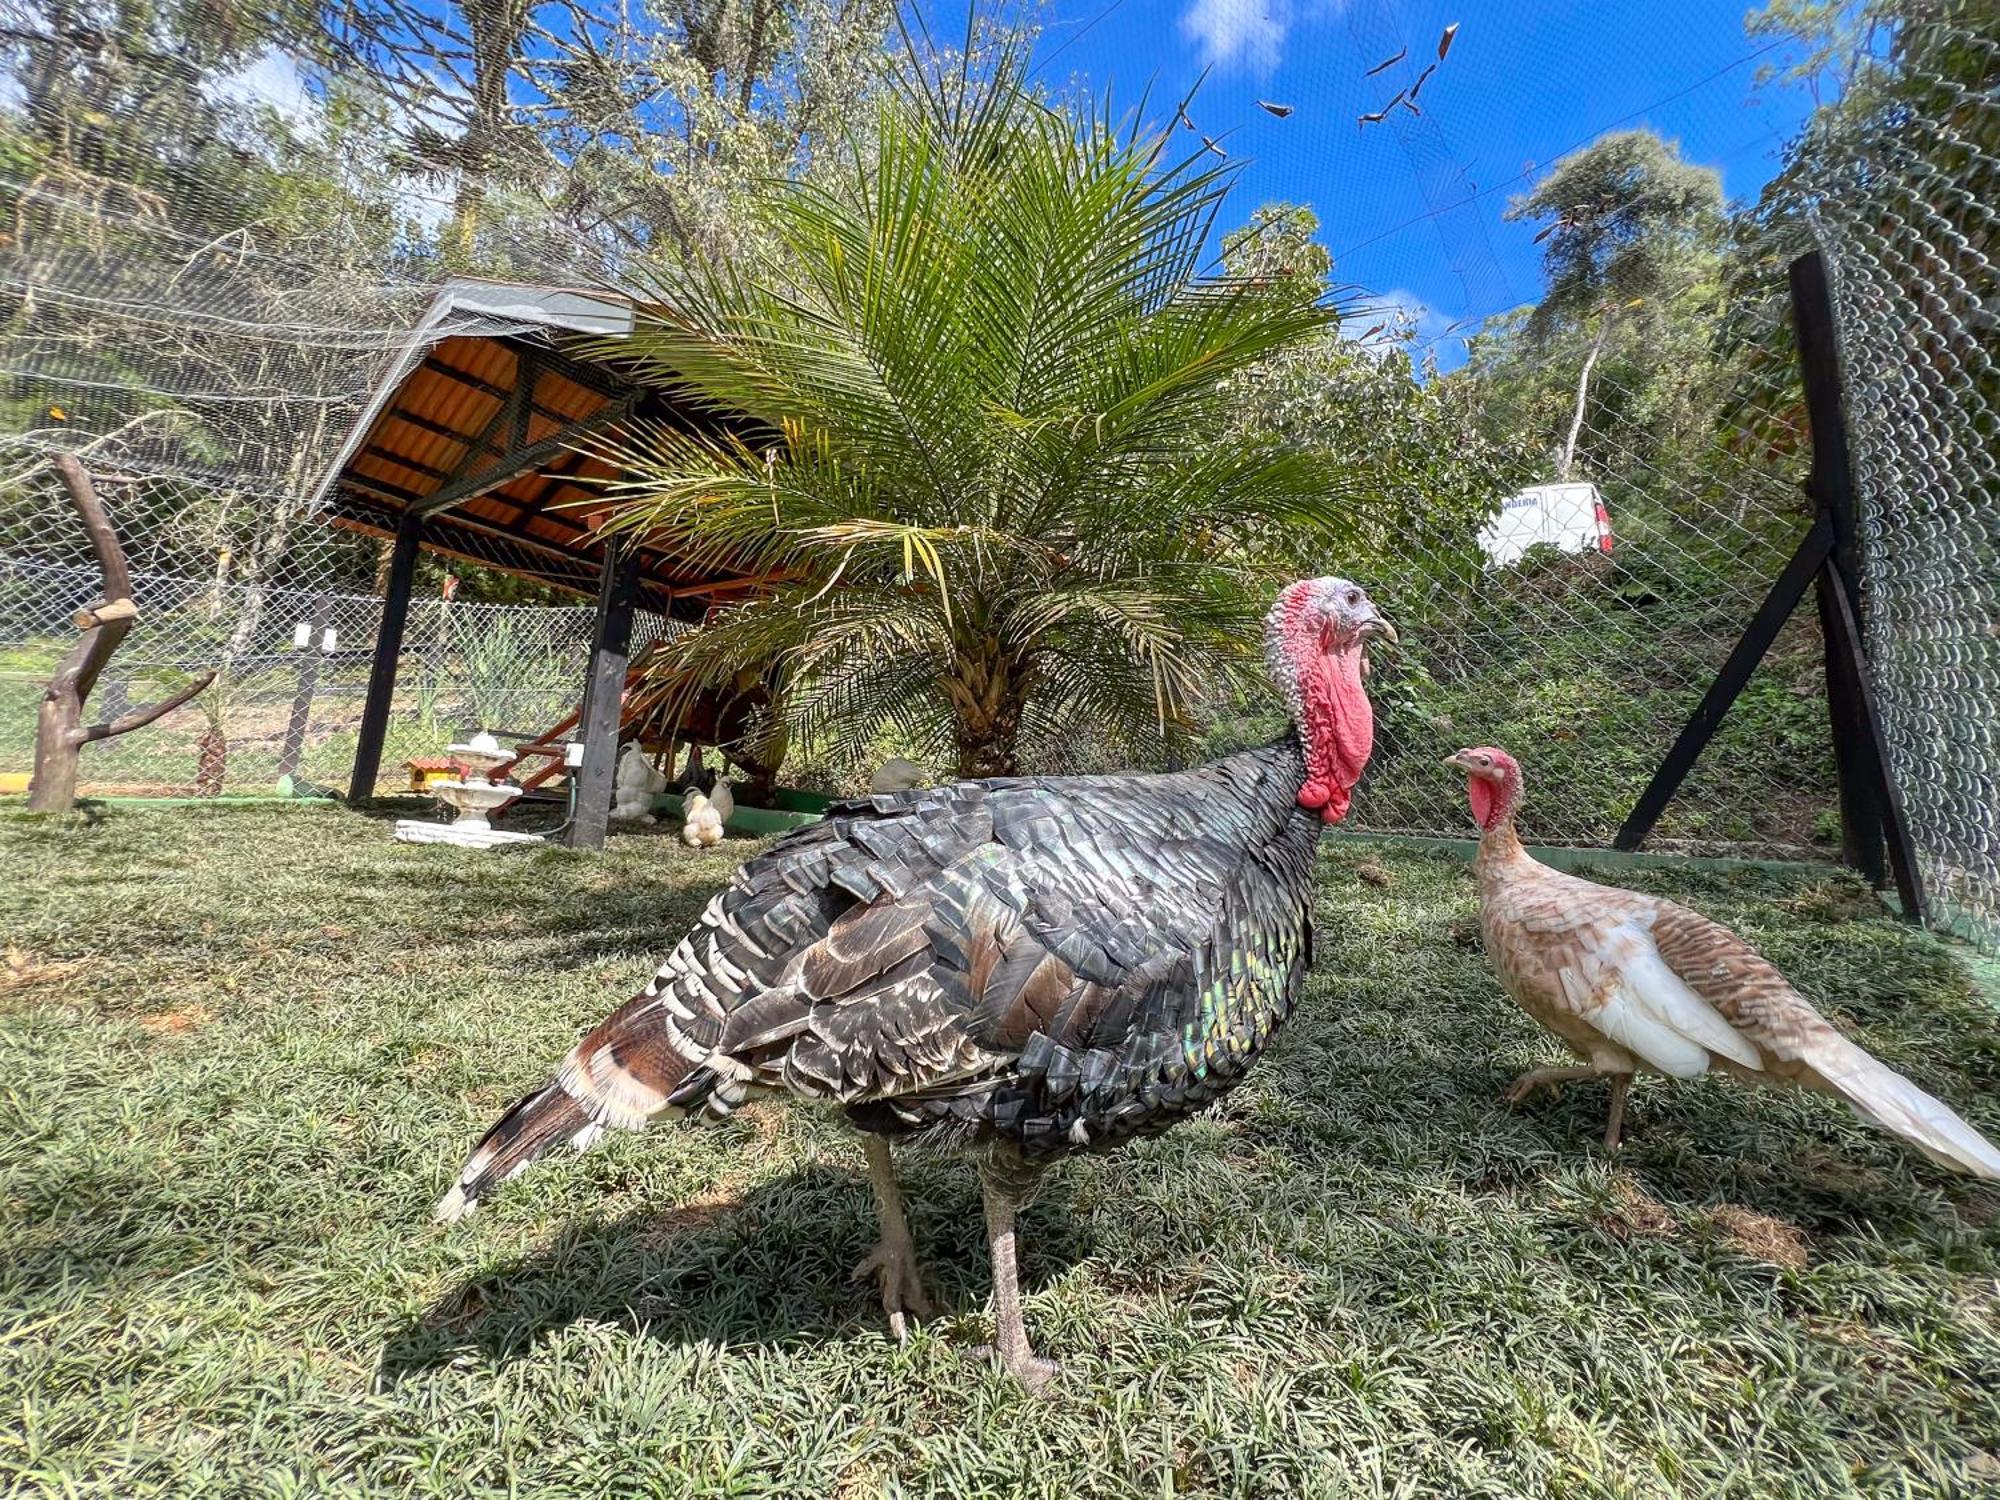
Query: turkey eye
[(1354, 596)]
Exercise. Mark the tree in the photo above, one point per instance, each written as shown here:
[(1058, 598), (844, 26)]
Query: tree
[(1410, 439), (593, 134), (1622, 215), (978, 387), (60, 733)]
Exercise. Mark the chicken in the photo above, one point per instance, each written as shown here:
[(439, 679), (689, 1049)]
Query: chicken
[(723, 800), (896, 775), (634, 785), (1632, 982), (701, 825), (1021, 968)]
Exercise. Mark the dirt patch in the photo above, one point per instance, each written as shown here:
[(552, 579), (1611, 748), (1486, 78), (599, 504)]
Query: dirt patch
[(1760, 1235), (1373, 874), (23, 970), (696, 1213), (174, 1022)]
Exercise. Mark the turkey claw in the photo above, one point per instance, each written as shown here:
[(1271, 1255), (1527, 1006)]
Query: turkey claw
[(895, 1268), (1034, 1373), (1524, 1089)]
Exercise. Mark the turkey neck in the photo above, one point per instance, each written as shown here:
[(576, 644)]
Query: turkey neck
[(1499, 848), (1267, 780)]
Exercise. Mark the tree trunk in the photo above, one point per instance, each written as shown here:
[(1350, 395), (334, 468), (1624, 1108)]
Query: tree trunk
[(58, 721), (1568, 457), (60, 733), (988, 689)]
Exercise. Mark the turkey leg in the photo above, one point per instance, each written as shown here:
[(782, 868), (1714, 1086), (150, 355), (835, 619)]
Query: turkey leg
[(1545, 1078), (1010, 1336), (893, 1261), (1620, 1082)]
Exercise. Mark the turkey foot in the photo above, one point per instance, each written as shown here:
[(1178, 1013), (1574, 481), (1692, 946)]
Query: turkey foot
[(1545, 1078), (1032, 1370), (893, 1261), (893, 1264)]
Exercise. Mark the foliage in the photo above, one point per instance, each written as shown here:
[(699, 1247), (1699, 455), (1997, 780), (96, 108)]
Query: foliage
[(979, 387), (228, 1115), (1622, 214), (1421, 461)]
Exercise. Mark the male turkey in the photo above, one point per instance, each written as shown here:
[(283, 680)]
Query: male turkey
[(1023, 967)]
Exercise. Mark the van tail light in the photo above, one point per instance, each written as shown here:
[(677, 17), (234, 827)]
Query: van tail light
[(1603, 528)]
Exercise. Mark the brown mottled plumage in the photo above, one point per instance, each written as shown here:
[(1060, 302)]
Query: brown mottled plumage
[(1023, 967), (1632, 982)]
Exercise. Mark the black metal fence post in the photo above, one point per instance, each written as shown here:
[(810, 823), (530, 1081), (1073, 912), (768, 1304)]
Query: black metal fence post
[(1831, 486)]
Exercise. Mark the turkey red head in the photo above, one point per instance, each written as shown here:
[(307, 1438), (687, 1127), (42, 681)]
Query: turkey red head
[(1492, 783), (1313, 640)]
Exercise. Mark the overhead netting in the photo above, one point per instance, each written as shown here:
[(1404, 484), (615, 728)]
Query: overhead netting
[(202, 280)]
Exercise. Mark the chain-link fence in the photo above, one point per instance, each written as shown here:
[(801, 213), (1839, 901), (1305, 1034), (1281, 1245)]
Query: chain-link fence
[(206, 350), (1904, 192), (288, 701)]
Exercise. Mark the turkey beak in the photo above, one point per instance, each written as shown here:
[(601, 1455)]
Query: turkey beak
[(1374, 627), (1456, 761)]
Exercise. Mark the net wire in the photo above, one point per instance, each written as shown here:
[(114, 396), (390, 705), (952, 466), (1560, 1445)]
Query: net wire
[(206, 354)]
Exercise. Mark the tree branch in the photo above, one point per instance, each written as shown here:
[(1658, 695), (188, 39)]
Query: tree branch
[(93, 649), (139, 718)]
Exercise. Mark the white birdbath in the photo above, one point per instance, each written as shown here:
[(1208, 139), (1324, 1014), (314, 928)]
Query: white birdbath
[(474, 797)]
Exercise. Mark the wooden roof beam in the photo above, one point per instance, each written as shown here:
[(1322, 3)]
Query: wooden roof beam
[(525, 460)]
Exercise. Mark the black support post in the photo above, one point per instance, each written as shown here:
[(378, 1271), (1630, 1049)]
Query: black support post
[(1831, 485), (1875, 835), (604, 696), (1807, 563), (388, 649)]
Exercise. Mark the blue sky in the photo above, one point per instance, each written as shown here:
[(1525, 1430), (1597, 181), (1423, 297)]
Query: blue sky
[(1411, 207)]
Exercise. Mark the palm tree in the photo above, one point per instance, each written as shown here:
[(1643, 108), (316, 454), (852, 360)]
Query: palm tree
[(977, 401)]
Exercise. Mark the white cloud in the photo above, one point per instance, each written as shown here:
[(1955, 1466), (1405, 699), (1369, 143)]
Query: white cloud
[(1229, 32), (273, 80)]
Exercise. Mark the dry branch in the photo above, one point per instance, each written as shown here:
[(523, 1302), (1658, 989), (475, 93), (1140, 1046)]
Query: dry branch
[(60, 732)]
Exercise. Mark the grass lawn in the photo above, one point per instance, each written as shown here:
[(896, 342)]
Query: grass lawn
[(243, 1050)]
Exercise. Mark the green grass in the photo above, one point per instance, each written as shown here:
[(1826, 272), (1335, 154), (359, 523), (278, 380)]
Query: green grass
[(244, 1051)]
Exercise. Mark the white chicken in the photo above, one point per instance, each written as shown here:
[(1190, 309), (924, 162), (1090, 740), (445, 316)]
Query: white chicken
[(896, 775), (722, 800), (634, 785), (701, 824)]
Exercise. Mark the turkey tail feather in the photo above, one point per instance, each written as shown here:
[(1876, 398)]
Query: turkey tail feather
[(547, 1117), (628, 1072), (1882, 1096)]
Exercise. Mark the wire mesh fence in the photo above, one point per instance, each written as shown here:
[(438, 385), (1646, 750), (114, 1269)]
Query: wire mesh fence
[(289, 699), (206, 346), (1903, 200)]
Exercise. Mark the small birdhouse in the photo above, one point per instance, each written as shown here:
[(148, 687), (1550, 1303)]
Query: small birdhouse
[(425, 769)]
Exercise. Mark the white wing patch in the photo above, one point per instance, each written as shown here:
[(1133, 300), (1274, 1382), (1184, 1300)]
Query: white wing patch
[(1650, 1010)]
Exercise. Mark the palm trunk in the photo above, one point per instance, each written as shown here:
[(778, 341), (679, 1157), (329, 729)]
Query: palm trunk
[(1568, 457), (988, 689)]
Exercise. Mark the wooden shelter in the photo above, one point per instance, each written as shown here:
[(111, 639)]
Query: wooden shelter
[(473, 445)]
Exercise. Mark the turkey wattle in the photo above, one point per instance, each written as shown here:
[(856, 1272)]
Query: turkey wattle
[(1024, 967)]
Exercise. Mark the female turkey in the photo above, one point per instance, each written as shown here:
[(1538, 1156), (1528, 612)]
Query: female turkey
[(1022, 967)]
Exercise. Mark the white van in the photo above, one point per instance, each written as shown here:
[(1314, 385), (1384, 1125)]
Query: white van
[(1568, 517)]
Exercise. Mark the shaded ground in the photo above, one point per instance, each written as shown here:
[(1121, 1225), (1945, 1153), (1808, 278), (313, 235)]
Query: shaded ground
[(242, 1050)]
